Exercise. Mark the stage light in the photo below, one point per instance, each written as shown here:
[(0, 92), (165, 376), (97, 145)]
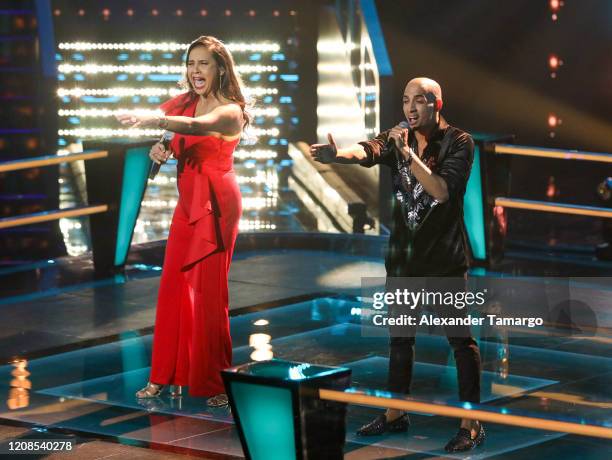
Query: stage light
[(551, 188), (107, 132), (57, 12), (246, 224), (292, 13), (106, 12), (149, 92), (228, 13), (256, 68), (154, 12), (276, 13), (165, 46), (179, 13), (258, 203), (130, 12), (251, 47), (257, 154), (252, 13), (81, 12), (554, 62), (553, 121), (334, 68), (265, 112), (263, 131), (335, 46), (259, 91), (111, 68), (203, 13), (344, 90), (118, 92), (105, 113)]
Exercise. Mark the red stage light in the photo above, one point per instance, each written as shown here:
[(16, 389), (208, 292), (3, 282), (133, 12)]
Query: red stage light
[(203, 13), (106, 12), (57, 12), (553, 62), (130, 12), (553, 121), (276, 13), (81, 12), (252, 13), (179, 12), (228, 12), (155, 12)]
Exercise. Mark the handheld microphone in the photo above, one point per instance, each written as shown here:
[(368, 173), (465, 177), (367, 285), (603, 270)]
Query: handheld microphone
[(165, 141), (390, 142)]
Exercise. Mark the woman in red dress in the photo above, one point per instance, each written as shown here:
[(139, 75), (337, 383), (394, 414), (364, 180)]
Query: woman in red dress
[(191, 342)]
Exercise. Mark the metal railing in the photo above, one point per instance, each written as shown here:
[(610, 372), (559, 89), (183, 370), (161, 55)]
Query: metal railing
[(545, 206), (353, 396), (510, 149), (45, 216)]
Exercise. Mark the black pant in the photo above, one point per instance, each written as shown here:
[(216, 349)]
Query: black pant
[(467, 356), (467, 359)]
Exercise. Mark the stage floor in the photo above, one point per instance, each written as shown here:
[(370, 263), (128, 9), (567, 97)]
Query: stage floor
[(84, 349)]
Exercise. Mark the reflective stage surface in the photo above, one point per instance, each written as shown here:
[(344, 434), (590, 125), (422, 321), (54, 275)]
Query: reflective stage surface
[(92, 389)]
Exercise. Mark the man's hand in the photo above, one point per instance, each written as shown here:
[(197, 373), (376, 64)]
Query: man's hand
[(399, 134), (324, 153), (159, 154)]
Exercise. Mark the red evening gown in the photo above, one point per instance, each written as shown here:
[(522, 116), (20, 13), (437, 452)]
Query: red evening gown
[(191, 341)]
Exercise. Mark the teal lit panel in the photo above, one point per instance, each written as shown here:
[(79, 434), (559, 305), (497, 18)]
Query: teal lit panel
[(266, 418), (135, 172), (474, 210)]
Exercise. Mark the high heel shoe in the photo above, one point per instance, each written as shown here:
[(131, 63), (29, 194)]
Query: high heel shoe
[(152, 390)]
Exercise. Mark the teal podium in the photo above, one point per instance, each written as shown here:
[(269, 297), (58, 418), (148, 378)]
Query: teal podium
[(278, 412), (484, 222), (118, 180)]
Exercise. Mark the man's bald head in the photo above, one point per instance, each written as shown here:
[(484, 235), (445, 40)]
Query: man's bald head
[(422, 102), (427, 85)]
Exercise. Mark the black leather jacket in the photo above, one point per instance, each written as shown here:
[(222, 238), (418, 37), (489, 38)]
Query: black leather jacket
[(427, 238)]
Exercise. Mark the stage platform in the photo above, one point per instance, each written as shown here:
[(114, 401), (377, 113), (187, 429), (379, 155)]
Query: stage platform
[(84, 349)]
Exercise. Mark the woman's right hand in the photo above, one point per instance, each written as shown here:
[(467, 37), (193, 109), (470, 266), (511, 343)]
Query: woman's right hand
[(159, 154)]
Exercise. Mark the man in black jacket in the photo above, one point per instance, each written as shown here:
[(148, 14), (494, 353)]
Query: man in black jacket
[(430, 165)]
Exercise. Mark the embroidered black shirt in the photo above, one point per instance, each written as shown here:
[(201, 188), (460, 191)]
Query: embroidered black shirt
[(427, 238)]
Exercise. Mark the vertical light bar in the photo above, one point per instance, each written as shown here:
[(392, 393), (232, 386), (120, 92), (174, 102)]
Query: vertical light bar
[(474, 210), (266, 413), (135, 173), (46, 40)]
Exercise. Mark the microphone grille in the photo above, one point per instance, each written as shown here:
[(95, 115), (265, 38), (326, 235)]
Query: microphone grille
[(404, 124)]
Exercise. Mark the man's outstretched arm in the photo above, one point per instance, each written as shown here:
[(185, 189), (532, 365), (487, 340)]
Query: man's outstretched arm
[(367, 153)]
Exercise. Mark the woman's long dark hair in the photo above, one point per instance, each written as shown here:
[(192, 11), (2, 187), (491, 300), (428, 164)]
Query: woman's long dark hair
[(227, 85)]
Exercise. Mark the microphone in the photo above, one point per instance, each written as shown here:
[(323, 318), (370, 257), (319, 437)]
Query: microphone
[(390, 142), (165, 141)]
